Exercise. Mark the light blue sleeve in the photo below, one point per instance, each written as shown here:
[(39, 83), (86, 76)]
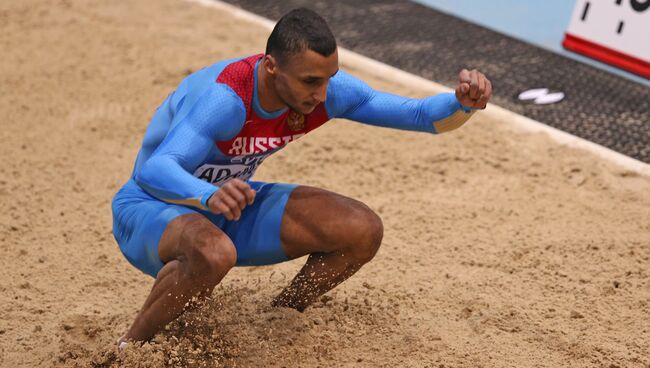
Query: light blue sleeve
[(350, 98), (218, 114)]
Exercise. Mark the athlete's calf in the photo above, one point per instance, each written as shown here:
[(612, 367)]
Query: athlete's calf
[(338, 233), (197, 255)]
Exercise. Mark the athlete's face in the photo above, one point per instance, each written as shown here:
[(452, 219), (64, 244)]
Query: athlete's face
[(301, 81)]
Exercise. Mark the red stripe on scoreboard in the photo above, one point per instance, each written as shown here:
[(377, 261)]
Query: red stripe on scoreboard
[(606, 55)]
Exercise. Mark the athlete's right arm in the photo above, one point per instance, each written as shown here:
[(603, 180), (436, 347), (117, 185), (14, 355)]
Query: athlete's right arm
[(351, 98), (219, 114)]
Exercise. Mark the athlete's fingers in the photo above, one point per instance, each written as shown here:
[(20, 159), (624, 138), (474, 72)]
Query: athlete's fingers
[(486, 95), (464, 76), (481, 86), (239, 184), (236, 195), (232, 205), (221, 208), (214, 203), (473, 85), (461, 92), (246, 190), (250, 196), (463, 83), (464, 89), (225, 204)]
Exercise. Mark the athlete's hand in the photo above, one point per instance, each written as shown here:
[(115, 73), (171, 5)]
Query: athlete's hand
[(474, 89), (231, 198)]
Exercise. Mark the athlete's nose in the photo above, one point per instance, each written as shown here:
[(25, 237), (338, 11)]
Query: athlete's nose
[(321, 93)]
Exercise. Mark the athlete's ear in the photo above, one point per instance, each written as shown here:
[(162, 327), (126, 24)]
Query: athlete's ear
[(270, 64)]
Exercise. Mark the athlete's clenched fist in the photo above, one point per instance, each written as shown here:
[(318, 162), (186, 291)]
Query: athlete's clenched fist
[(231, 199), (474, 89)]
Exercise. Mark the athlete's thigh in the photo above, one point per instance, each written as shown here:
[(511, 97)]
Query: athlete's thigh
[(317, 220), (139, 221), (186, 234), (151, 232)]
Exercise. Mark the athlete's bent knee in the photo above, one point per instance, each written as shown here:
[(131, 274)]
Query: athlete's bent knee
[(211, 256), (368, 231)]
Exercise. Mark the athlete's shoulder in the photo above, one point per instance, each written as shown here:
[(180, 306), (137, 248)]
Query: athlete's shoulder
[(219, 111), (344, 80), (223, 98), (209, 74), (345, 92), (240, 77), (240, 68)]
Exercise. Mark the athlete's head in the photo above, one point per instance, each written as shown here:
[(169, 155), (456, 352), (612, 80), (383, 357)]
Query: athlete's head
[(301, 57)]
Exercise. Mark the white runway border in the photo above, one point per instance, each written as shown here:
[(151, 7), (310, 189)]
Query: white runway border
[(384, 71)]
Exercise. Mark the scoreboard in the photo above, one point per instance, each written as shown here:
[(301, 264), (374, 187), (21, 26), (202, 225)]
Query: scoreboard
[(616, 32)]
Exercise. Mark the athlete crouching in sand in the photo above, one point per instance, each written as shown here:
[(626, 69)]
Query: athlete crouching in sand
[(189, 212)]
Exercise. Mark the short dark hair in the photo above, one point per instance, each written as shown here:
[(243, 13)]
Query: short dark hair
[(298, 30)]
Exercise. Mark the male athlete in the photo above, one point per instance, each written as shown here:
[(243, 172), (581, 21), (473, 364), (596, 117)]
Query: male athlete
[(189, 212)]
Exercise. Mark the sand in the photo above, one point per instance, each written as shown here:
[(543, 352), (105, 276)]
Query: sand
[(501, 249)]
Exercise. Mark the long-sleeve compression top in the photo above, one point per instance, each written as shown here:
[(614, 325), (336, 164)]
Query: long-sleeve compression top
[(212, 128)]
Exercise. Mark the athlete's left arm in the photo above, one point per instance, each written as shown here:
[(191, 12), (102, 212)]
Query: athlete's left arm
[(351, 98)]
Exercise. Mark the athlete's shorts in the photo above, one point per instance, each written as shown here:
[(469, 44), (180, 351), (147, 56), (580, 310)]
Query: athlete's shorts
[(140, 219)]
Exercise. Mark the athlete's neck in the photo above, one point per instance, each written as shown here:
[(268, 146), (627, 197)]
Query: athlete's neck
[(268, 96)]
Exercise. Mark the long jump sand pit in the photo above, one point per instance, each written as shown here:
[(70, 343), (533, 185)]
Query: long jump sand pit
[(501, 249)]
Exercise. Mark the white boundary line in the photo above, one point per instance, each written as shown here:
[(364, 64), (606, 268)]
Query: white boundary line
[(384, 71)]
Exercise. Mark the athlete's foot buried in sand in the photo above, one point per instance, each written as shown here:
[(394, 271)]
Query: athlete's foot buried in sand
[(122, 344)]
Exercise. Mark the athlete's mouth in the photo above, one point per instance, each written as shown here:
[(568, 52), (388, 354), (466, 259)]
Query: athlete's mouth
[(310, 105)]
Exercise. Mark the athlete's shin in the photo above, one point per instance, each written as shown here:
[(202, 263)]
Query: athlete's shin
[(359, 241), (176, 286), (321, 273)]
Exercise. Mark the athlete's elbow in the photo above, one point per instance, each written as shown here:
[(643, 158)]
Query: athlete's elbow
[(147, 174)]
